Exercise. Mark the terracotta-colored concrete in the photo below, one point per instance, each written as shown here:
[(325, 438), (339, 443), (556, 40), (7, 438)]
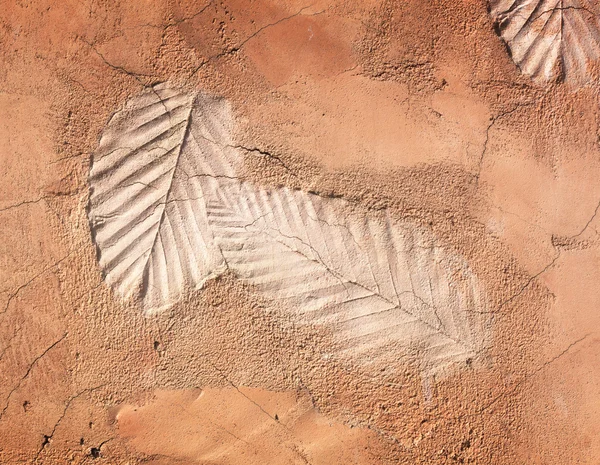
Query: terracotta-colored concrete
[(411, 106)]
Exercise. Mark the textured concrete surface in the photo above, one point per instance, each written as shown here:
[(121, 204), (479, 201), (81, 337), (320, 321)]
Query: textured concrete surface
[(412, 114)]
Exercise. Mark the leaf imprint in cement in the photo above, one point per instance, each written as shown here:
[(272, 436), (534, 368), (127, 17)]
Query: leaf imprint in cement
[(156, 160), (550, 38), (168, 212), (375, 281)]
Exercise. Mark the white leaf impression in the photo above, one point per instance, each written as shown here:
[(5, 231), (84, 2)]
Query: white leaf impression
[(148, 181), (550, 38), (167, 212)]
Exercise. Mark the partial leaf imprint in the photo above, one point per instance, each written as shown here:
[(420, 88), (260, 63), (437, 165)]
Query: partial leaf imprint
[(168, 212), (550, 38)]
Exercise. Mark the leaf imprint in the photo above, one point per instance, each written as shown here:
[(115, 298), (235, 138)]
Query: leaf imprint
[(550, 38), (157, 160)]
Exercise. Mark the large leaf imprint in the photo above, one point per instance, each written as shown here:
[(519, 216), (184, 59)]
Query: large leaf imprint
[(156, 161), (167, 213), (550, 38), (375, 281)]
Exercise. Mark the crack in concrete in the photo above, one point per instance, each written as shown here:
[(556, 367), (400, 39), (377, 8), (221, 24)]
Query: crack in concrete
[(260, 151), (529, 223), (237, 48), (185, 19), (552, 262), (224, 376), (120, 69), (533, 373), (493, 121), (529, 281), (267, 26), (28, 372), (68, 157), (266, 153), (275, 420), (16, 292), (588, 223), (24, 202), (48, 437), (36, 201)]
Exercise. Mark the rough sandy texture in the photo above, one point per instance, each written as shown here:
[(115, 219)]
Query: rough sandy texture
[(415, 108)]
